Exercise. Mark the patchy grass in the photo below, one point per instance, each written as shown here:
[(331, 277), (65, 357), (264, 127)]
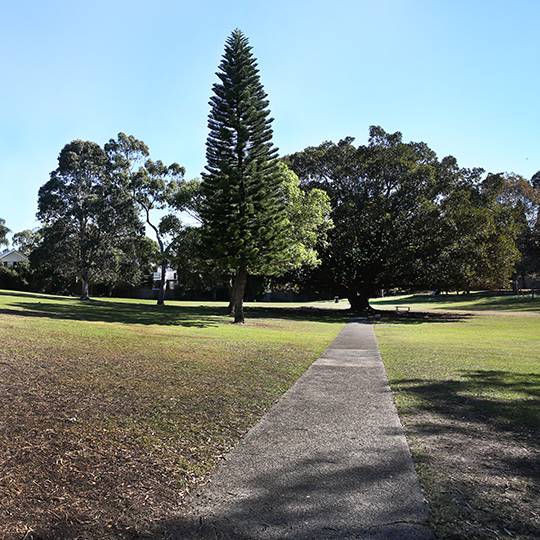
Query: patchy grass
[(468, 393), (111, 410)]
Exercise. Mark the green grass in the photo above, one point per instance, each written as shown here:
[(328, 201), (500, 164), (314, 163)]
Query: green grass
[(493, 361), (468, 393), (111, 409), (477, 301)]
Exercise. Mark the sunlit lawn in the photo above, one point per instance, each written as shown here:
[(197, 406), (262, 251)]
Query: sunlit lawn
[(476, 301), (111, 409)]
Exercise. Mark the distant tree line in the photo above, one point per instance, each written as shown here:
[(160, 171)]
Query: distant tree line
[(337, 218)]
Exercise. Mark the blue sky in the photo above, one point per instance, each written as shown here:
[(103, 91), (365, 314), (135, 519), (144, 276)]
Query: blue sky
[(462, 76)]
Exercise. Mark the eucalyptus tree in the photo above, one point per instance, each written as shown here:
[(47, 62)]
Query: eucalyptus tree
[(4, 231), (88, 218), (524, 197), (151, 184), (26, 241)]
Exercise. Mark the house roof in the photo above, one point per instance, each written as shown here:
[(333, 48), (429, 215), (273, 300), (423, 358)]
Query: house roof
[(12, 255)]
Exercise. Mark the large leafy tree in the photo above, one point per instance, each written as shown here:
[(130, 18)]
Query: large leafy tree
[(26, 241), (404, 218), (476, 235), (89, 219), (378, 193), (524, 197), (243, 210)]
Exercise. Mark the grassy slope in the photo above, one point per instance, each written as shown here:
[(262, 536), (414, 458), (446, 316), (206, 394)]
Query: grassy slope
[(110, 410), (477, 302), (468, 393)]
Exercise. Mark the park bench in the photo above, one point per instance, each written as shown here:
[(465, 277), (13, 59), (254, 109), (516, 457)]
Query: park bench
[(402, 308)]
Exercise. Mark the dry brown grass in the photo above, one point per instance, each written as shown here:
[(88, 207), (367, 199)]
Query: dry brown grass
[(105, 424)]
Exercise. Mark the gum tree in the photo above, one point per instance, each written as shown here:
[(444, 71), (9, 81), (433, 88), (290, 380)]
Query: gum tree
[(151, 184), (4, 231), (89, 220)]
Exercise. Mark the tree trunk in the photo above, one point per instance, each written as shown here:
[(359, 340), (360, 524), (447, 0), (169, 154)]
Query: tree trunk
[(232, 291), (161, 293), (163, 286), (85, 287), (238, 299), (359, 301)]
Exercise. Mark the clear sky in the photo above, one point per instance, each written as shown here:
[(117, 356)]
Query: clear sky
[(461, 75)]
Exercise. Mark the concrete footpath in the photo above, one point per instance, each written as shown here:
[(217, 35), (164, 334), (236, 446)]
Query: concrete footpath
[(328, 461)]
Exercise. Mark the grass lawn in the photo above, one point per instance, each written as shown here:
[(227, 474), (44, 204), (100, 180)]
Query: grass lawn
[(110, 410), (467, 389), (477, 302)]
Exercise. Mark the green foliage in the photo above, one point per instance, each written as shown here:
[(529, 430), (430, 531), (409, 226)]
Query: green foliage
[(151, 184), (404, 219), (89, 219), (476, 247), (26, 241), (15, 278), (188, 198), (4, 231), (523, 197), (244, 223), (308, 220), (377, 193)]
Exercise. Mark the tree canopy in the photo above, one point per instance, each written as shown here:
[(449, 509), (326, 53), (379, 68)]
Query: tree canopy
[(397, 212), (151, 184), (4, 231), (89, 220)]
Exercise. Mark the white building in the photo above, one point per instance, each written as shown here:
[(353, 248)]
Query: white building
[(11, 257)]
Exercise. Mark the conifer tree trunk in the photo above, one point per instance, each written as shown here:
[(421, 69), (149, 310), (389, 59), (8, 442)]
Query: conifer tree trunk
[(238, 299)]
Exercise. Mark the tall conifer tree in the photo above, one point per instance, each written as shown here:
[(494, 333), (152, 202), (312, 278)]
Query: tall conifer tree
[(243, 214)]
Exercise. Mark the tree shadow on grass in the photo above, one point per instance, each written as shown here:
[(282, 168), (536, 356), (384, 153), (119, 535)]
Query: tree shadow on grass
[(476, 444), (195, 315), (418, 317), (472, 397), (118, 312)]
